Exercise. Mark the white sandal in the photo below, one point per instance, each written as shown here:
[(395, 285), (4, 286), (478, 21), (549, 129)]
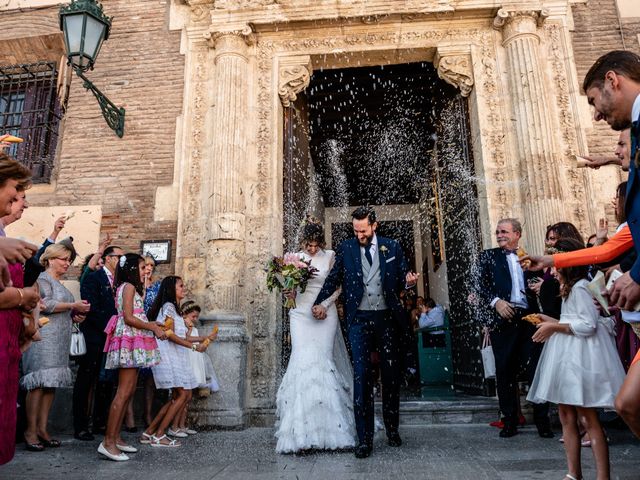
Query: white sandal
[(157, 442), (177, 433), (570, 477), (146, 438)]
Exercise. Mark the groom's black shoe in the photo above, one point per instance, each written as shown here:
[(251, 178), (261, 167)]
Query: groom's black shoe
[(394, 440), (362, 450)]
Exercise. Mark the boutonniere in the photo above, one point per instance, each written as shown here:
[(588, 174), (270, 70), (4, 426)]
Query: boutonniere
[(383, 249)]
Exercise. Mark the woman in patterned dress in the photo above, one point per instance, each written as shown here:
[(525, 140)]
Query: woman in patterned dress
[(130, 345), (46, 364)]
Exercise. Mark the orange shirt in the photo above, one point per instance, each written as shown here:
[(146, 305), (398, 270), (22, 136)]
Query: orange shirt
[(610, 250)]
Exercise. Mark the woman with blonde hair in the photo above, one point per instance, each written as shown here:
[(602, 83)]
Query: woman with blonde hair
[(46, 363)]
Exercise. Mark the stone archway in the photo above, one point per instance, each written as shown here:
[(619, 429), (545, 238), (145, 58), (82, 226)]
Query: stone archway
[(248, 58)]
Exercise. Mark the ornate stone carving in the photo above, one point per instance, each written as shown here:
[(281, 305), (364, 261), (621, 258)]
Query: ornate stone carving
[(578, 181), (294, 77), (454, 67), (535, 146), (505, 16), (245, 35)]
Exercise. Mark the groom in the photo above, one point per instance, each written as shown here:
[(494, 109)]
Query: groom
[(372, 271)]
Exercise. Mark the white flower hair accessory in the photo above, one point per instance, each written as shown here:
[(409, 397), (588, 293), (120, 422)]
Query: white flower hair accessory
[(123, 260)]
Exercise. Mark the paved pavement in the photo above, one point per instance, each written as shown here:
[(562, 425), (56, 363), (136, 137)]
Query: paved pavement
[(456, 452)]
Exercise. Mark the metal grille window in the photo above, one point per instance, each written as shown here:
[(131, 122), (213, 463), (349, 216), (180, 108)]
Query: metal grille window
[(30, 109)]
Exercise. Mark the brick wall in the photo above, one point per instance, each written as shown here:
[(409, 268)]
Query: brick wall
[(141, 69)]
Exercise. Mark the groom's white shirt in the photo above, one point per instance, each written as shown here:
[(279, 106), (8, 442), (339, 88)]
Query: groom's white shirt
[(373, 247)]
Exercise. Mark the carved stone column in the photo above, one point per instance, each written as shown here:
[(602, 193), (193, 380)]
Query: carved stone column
[(224, 202), (223, 232), (455, 67), (535, 149)]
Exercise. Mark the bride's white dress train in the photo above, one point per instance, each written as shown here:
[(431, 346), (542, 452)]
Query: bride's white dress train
[(315, 399)]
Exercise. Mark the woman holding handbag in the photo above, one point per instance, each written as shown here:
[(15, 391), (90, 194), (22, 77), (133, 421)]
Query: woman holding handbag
[(46, 363)]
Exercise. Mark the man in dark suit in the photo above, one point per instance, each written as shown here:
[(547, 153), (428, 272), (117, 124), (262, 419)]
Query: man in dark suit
[(372, 271), (612, 86), (506, 298), (97, 289)]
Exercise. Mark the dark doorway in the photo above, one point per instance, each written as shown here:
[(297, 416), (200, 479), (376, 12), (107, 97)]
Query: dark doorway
[(395, 136)]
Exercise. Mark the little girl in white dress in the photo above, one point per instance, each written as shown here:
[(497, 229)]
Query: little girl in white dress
[(579, 368)]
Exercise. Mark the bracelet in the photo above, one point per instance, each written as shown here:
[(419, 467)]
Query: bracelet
[(21, 296)]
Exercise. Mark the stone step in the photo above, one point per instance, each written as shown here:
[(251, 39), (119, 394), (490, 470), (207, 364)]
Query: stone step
[(435, 412)]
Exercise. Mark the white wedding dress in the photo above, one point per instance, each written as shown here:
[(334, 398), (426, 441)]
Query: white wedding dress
[(315, 399)]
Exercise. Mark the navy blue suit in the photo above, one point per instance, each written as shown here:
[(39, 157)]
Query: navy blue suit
[(632, 203), (96, 289), (513, 347), (371, 330)]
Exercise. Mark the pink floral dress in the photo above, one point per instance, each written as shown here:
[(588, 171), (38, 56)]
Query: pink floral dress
[(127, 346)]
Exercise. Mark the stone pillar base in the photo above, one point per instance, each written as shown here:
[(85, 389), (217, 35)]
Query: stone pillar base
[(228, 353)]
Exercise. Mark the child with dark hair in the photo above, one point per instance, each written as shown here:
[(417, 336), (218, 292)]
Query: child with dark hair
[(579, 368), (200, 364), (130, 345), (174, 371)]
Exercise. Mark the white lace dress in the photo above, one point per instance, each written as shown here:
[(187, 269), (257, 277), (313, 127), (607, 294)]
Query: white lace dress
[(315, 399), (174, 369)]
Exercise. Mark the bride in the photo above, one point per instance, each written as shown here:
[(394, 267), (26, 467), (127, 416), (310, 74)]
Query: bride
[(315, 399)]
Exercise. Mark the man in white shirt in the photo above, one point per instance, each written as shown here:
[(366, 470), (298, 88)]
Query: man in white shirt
[(506, 298)]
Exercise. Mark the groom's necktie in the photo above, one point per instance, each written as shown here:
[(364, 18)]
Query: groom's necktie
[(367, 254)]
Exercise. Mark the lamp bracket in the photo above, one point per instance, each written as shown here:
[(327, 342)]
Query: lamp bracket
[(113, 115)]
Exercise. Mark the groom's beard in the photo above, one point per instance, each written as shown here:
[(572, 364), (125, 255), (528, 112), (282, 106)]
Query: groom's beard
[(366, 242)]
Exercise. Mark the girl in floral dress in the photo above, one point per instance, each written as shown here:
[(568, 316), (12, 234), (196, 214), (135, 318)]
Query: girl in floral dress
[(130, 345)]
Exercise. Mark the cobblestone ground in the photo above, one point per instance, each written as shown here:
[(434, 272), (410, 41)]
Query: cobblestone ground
[(429, 452)]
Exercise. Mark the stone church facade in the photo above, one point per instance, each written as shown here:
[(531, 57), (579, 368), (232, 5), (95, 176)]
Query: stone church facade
[(206, 84)]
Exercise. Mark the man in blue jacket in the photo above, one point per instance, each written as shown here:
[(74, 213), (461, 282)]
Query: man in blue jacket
[(612, 86), (372, 271), (97, 289)]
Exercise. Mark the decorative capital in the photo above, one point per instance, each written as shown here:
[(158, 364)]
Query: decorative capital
[(455, 67), (294, 75), (505, 16), (244, 35)]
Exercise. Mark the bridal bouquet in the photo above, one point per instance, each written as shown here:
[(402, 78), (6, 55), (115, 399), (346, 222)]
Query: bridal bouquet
[(288, 273)]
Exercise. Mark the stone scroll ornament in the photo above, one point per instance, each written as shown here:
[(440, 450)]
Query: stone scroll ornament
[(293, 80), (456, 70)]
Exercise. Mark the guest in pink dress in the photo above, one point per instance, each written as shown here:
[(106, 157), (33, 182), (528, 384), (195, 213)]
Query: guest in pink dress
[(130, 345)]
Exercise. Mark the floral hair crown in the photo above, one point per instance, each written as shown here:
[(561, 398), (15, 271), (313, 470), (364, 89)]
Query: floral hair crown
[(310, 220), (123, 260)]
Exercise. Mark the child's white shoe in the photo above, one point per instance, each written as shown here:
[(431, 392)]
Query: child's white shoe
[(177, 433)]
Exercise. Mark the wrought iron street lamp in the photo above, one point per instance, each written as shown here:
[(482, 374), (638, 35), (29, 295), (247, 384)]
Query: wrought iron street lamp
[(85, 27)]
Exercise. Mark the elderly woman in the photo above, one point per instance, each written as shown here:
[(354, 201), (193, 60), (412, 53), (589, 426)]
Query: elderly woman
[(46, 363)]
